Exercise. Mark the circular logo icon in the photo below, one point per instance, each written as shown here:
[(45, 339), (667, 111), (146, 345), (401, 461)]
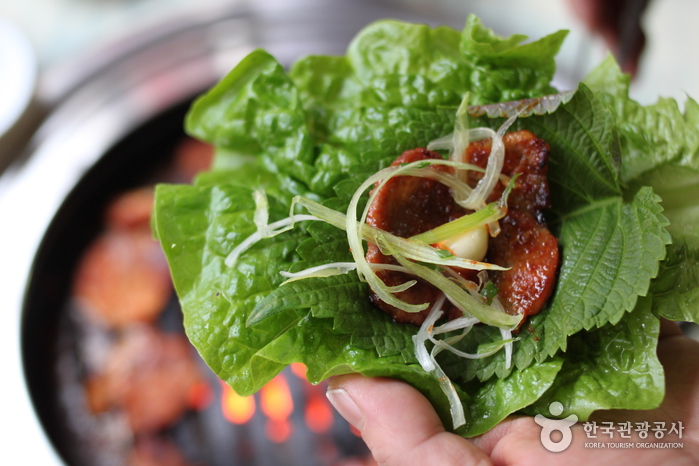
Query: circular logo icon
[(548, 426)]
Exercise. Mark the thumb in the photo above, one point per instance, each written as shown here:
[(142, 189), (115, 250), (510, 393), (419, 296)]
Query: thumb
[(398, 424)]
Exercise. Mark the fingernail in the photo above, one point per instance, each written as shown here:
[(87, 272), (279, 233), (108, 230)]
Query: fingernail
[(345, 405)]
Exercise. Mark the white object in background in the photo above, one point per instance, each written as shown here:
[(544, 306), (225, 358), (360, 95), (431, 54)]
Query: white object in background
[(17, 76), (21, 437)]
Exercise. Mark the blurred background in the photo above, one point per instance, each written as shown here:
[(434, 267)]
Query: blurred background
[(63, 31), (47, 46), (92, 93)]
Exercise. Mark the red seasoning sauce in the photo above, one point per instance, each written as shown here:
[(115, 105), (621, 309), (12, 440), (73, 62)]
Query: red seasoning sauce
[(408, 205)]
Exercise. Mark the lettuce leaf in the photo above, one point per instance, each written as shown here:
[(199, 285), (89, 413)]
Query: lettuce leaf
[(323, 127), (256, 110), (505, 69), (615, 366), (661, 146)]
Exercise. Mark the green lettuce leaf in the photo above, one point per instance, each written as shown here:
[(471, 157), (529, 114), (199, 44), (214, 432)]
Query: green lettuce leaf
[(614, 367), (662, 151), (196, 241), (653, 136), (610, 246), (495, 400), (255, 110), (503, 68), (217, 300), (423, 51), (322, 128)]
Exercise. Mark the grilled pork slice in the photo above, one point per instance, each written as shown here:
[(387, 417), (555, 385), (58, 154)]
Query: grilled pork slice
[(409, 205)]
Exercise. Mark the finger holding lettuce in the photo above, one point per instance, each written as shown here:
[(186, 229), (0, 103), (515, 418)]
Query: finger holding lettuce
[(617, 171)]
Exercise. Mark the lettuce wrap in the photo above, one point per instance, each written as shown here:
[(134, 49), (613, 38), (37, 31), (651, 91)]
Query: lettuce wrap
[(621, 178)]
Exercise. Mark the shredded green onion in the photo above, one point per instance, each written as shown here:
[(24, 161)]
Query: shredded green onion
[(428, 332), (354, 238), (338, 268), (413, 249), (325, 270), (261, 215), (488, 214), (272, 229), (429, 364), (457, 295)]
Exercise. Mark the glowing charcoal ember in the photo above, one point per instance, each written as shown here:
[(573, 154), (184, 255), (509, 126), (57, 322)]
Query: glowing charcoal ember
[(275, 399), (200, 396), (236, 409), (299, 370), (276, 403), (318, 412), (278, 431)]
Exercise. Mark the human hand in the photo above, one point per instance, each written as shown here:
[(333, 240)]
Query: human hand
[(400, 427), (618, 22)]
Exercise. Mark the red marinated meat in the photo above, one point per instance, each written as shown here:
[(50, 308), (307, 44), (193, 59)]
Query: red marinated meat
[(148, 375), (410, 205), (193, 157), (531, 252), (524, 244), (123, 278), (407, 206), (131, 209), (526, 155)]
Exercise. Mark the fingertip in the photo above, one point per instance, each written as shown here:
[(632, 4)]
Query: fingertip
[(338, 381), (382, 401), (345, 405), (669, 329), (397, 422)]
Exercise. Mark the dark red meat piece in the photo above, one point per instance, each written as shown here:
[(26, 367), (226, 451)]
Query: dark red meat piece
[(123, 278), (524, 244), (531, 252), (131, 209), (148, 375), (192, 157), (526, 155), (407, 206)]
